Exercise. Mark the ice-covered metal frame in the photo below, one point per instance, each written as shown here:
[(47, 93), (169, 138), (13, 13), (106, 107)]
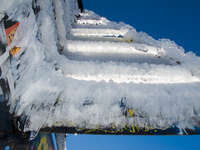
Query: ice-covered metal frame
[(117, 35), (134, 130)]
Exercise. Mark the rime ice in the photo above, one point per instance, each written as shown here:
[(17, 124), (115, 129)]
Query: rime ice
[(101, 62)]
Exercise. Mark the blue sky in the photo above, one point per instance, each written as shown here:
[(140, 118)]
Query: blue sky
[(178, 20), (93, 142)]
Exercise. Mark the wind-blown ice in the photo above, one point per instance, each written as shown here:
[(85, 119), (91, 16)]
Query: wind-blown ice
[(159, 81)]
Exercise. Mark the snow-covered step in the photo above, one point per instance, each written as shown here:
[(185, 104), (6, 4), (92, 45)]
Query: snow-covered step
[(91, 32), (108, 39), (100, 47), (137, 79), (88, 21), (115, 72), (116, 51), (96, 23), (99, 26), (89, 15), (103, 38)]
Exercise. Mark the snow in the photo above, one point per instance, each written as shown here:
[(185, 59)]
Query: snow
[(111, 48), (99, 32), (10, 5), (159, 81), (4, 57)]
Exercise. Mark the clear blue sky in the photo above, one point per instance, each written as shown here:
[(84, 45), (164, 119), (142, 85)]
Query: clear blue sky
[(178, 20)]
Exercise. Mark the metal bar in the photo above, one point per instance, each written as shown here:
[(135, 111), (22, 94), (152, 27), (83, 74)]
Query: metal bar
[(123, 131), (80, 5)]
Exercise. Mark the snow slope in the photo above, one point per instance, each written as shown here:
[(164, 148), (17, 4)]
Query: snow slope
[(155, 77)]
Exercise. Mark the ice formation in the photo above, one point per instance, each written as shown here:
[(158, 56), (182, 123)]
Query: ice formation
[(75, 68)]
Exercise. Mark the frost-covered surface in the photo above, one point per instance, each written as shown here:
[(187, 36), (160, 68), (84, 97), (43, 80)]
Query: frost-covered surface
[(157, 79)]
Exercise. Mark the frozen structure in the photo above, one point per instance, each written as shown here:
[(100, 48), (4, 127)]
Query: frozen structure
[(79, 72)]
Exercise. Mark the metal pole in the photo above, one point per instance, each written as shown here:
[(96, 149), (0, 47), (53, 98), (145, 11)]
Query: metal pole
[(80, 5)]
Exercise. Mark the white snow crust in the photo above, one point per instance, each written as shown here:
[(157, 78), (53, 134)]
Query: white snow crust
[(158, 79)]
